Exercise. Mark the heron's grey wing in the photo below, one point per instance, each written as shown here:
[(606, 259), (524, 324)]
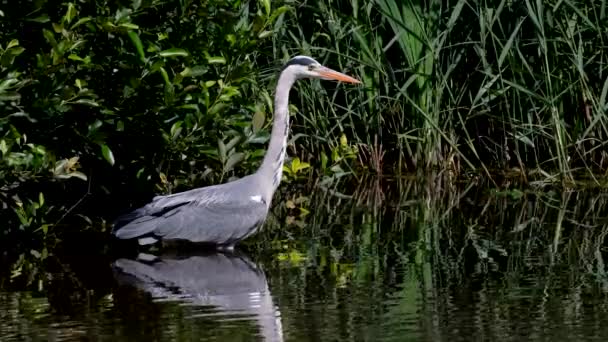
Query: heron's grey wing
[(185, 216), (144, 220), (222, 221)]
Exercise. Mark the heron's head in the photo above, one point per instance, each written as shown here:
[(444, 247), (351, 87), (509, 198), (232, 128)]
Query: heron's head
[(306, 67)]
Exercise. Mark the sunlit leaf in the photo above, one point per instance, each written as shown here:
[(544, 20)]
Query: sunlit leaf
[(78, 174), (216, 60), (107, 154), (165, 75), (70, 13), (87, 102), (343, 140), (264, 34), (174, 52), (50, 37), (130, 26), (176, 129), (266, 4), (12, 43), (44, 18), (81, 21), (138, 45)]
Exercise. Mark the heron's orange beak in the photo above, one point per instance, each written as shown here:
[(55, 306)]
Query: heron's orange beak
[(329, 74)]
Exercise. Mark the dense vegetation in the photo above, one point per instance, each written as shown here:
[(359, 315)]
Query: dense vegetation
[(105, 103)]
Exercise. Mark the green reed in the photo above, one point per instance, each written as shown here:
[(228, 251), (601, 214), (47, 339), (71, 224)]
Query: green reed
[(459, 85)]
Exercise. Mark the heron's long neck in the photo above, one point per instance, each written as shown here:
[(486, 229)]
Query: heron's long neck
[(272, 166)]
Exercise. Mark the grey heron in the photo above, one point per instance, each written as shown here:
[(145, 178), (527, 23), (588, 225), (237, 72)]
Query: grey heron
[(224, 214)]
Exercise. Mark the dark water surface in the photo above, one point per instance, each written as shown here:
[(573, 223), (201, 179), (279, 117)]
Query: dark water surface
[(437, 263)]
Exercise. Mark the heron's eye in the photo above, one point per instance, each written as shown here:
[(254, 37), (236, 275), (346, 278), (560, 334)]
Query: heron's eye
[(311, 67)]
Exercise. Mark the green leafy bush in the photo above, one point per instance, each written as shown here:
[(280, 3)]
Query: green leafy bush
[(149, 96)]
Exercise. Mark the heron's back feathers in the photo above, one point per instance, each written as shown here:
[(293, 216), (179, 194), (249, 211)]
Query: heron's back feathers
[(214, 214)]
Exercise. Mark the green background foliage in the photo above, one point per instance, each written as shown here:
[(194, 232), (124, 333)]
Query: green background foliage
[(132, 99), (106, 103)]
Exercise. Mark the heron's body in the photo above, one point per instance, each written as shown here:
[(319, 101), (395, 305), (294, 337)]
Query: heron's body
[(219, 214), (227, 213)]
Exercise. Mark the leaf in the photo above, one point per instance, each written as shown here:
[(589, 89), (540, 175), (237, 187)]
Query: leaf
[(336, 169), (57, 28), (165, 75), (138, 45), (222, 150), (78, 174), (8, 83), (266, 4), (295, 163), (10, 96), (304, 212), (524, 139), (216, 108), (16, 51), (258, 121), (95, 125), (216, 60), (234, 159), (343, 140), (107, 154), (3, 147), (323, 160), (50, 37), (176, 129), (230, 145), (277, 13), (264, 34), (129, 26), (12, 43), (174, 52), (195, 71), (302, 166), (87, 102), (41, 19), (80, 22), (70, 14)]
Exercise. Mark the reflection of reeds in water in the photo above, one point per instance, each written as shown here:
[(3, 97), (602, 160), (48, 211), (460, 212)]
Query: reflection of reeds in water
[(369, 192), (372, 156), (457, 256)]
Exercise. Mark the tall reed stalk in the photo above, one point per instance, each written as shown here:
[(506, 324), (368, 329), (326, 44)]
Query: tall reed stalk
[(459, 85)]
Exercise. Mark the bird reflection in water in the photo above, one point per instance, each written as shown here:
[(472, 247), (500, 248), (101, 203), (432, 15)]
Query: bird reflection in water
[(230, 282)]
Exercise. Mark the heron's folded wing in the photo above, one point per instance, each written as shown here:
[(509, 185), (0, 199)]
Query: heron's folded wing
[(217, 221), (144, 220)]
